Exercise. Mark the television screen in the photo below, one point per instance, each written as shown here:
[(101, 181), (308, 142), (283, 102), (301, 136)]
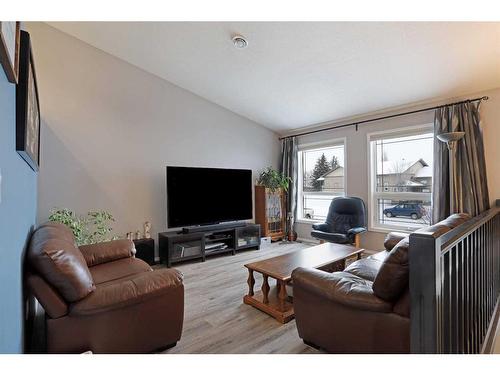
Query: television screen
[(198, 196)]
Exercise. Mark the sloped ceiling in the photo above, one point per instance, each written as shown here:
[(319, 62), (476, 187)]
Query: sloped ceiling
[(298, 74)]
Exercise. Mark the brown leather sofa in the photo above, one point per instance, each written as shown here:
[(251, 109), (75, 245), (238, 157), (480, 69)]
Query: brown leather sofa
[(100, 297), (366, 307)]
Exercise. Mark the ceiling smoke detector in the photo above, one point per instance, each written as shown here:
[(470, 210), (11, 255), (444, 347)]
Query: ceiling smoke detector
[(240, 42)]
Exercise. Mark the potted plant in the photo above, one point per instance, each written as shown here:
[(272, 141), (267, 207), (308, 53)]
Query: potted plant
[(93, 228), (273, 180)]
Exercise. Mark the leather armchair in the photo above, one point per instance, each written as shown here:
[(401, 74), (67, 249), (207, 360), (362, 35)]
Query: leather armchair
[(346, 219), (366, 307), (100, 297)]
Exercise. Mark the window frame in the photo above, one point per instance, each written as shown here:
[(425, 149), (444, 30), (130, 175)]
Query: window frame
[(341, 141), (373, 224)]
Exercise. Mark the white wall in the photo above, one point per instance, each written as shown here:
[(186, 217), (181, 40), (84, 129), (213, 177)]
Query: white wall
[(356, 177), (109, 129)]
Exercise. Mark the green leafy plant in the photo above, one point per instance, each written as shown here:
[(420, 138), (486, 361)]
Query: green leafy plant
[(274, 180), (93, 228)]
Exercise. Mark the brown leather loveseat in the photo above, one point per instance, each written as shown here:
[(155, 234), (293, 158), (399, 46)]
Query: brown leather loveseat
[(100, 297), (366, 307)]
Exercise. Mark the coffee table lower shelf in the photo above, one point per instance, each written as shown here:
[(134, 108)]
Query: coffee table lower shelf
[(328, 257), (282, 313)]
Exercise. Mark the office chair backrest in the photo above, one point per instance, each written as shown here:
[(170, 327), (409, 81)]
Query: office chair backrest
[(346, 213)]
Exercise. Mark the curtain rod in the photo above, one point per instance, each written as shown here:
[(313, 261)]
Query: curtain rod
[(383, 118)]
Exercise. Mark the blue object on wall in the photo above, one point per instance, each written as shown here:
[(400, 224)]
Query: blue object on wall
[(18, 204)]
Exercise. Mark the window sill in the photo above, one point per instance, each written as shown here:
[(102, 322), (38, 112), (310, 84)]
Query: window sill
[(308, 221), (388, 230)]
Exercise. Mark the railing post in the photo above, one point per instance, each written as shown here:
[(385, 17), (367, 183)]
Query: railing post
[(425, 293)]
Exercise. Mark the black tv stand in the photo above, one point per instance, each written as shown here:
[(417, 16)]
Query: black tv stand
[(212, 227), (177, 247)]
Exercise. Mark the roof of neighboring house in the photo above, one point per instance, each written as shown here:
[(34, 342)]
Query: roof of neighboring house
[(424, 172), (412, 183), (397, 166), (330, 171)]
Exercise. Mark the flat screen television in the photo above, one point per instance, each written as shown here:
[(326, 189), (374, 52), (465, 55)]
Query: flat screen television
[(203, 196)]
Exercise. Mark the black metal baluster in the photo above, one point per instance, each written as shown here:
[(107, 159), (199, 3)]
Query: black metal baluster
[(460, 297), (487, 275), (465, 307), (491, 269), (467, 294), (445, 303), (441, 304), (450, 301), (480, 292), (477, 304), (454, 283), (482, 302), (474, 293)]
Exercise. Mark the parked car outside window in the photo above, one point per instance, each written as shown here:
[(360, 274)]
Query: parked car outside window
[(413, 210)]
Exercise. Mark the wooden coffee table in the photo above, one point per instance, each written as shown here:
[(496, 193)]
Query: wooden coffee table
[(329, 257)]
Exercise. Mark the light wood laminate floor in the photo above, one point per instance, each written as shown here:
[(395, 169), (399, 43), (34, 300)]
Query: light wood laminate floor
[(215, 318)]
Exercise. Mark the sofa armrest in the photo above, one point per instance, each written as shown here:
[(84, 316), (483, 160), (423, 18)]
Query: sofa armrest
[(104, 252), (340, 287), (52, 302), (323, 227), (133, 290)]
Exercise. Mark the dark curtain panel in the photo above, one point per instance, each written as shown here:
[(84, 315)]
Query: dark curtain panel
[(289, 169), (471, 184)]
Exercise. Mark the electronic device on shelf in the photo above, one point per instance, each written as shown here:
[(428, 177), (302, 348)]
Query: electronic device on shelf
[(215, 245)]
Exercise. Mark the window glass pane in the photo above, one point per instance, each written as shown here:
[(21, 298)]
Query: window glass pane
[(323, 169), (404, 164), (322, 179), (414, 214), (316, 206), (402, 180)]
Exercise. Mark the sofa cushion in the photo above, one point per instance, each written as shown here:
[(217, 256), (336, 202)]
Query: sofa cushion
[(366, 268), (57, 260), (128, 291), (340, 287), (109, 251), (393, 276), (118, 269), (380, 256), (392, 239)]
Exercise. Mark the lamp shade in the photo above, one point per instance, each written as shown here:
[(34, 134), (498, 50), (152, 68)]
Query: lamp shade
[(450, 137)]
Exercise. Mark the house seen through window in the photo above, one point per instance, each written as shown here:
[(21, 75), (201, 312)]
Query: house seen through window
[(401, 175), (321, 178)]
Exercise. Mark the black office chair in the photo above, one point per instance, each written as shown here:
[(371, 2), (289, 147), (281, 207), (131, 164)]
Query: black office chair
[(346, 219)]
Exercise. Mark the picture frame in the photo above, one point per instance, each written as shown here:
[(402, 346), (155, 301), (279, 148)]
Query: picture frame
[(27, 106), (10, 34)]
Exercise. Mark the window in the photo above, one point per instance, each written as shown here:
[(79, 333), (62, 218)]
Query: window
[(401, 179), (321, 178)]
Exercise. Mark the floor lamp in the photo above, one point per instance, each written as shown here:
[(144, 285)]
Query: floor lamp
[(451, 140)]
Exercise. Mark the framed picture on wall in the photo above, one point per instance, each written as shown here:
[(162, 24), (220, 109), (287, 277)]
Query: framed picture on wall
[(9, 49), (27, 106)]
